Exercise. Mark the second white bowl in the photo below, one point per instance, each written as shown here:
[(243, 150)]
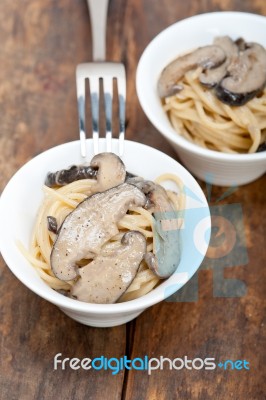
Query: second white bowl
[(211, 166)]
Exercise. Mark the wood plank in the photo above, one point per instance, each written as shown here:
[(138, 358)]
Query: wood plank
[(41, 44), (222, 328), (33, 332)]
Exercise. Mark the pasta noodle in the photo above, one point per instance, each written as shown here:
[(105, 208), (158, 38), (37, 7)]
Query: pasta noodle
[(59, 202), (197, 114)]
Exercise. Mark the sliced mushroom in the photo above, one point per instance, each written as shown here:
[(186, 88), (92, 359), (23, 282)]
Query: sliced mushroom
[(246, 76), (52, 224), (111, 171), (166, 256), (211, 77), (109, 275), (71, 174), (207, 57), (89, 226), (107, 168)]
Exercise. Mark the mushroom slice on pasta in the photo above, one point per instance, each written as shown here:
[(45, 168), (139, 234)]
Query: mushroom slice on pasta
[(71, 174), (206, 57), (211, 77), (106, 168), (111, 171), (246, 76), (164, 259), (89, 226), (108, 276)]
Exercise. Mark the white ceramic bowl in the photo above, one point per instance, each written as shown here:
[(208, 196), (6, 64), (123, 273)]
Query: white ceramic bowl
[(211, 166), (23, 195)]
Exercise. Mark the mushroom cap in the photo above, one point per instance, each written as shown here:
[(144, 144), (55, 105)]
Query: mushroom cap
[(90, 225), (71, 174), (109, 275), (111, 171), (246, 76), (207, 57), (211, 77), (107, 168)]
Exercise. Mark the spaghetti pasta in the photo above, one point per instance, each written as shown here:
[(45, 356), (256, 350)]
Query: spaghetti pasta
[(199, 116), (60, 201)]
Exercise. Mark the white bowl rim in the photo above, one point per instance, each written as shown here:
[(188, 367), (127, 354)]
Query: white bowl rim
[(82, 307), (170, 133)]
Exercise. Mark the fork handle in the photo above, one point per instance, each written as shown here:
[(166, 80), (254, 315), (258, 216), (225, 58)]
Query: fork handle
[(98, 16)]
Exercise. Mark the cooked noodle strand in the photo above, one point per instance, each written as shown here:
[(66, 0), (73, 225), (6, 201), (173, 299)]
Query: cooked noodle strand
[(200, 117)]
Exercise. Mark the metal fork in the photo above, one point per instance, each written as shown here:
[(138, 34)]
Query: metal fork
[(95, 71)]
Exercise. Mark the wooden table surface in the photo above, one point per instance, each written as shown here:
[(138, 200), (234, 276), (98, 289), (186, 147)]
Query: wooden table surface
[(41, 42)]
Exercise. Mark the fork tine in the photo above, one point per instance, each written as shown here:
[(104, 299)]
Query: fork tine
[(80, 83), (108, 73), (94, 93), (108, 103), (121, 87)]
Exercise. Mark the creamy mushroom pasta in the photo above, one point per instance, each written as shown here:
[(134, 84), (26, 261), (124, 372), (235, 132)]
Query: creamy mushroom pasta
[(102, 234), (215, 96)]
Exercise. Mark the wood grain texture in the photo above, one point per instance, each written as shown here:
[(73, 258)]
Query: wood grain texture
[(33, 332), (223, 328), (41, 43)]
